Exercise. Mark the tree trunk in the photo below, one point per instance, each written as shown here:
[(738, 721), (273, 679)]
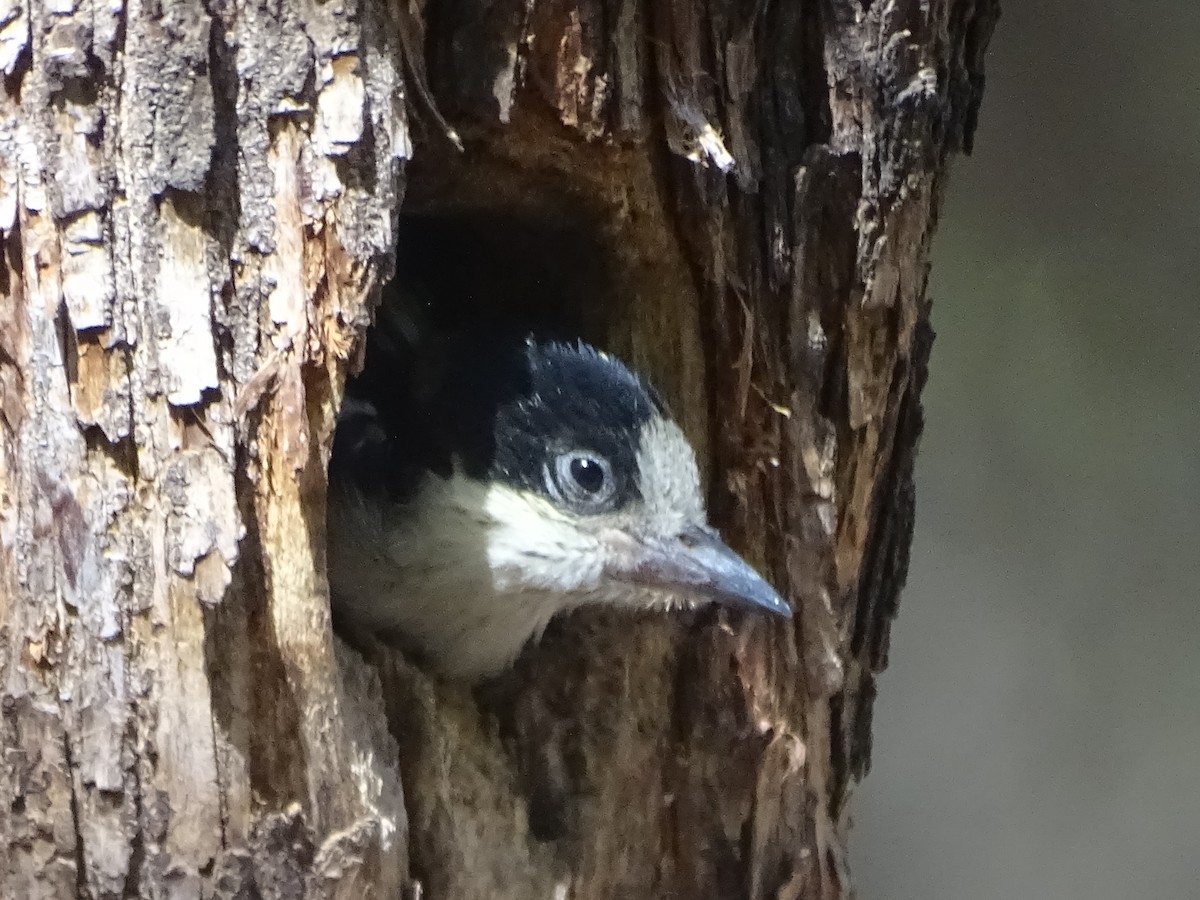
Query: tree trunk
[(198, 205)]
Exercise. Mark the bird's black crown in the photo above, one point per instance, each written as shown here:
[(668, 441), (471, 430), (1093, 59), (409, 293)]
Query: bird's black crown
[(519, 412), (572, 400)]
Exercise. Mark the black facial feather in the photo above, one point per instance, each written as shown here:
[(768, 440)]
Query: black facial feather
[(365, 454), (503, 409), (576, 400)]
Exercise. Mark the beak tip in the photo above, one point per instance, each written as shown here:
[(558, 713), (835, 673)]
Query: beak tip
[(770, 601), (734, 583), (704, 567)]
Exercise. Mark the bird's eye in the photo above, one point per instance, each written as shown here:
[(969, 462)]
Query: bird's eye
[(581, 478)]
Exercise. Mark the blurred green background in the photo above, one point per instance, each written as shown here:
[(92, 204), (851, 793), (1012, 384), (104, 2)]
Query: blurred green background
[(1037, 735)]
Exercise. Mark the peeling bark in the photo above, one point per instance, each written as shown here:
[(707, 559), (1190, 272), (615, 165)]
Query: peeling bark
[(198, 207), (186, 223)]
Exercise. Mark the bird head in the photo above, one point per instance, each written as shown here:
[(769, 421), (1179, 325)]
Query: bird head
[(532, 478), (593, 491)]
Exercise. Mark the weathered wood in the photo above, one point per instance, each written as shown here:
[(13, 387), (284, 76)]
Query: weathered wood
[(197, 205), (769, 272), (192, 217)]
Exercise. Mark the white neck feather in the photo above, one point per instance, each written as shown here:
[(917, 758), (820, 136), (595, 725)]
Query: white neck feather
[(470, 572)]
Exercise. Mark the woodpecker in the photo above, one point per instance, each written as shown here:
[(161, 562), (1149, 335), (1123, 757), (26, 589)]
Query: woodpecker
[(523, 479)]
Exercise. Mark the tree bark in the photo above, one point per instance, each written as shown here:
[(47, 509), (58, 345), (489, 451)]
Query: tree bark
[(198, 207)]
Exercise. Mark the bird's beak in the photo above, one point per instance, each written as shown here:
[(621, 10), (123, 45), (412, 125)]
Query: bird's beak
[(699, 565)]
